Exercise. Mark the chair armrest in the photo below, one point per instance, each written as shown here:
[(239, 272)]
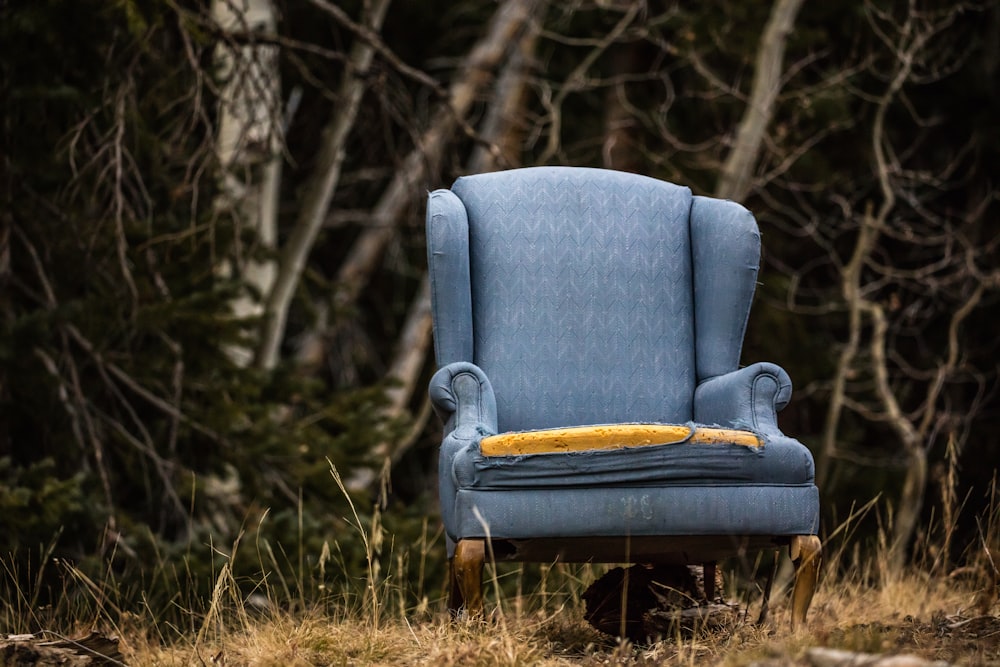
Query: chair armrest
[(748, 398), (463, 397)]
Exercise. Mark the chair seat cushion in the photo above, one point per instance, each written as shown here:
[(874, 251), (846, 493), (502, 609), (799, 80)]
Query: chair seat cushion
[(779, 460)]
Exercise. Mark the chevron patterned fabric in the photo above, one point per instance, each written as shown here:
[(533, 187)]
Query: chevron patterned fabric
[(582, 295)]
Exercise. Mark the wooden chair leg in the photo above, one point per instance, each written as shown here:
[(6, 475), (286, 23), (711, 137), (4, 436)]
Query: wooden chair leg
[(467, 577), (806, 553)]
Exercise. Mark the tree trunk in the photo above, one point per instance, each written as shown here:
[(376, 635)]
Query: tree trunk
[(850, 285), (912, 438), (248, 145), (737, 171)]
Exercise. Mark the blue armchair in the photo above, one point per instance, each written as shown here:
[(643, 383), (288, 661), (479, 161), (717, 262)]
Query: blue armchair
[(588, 326)]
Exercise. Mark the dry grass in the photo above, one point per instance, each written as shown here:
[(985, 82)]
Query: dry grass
[(863, 605), (903, 613)]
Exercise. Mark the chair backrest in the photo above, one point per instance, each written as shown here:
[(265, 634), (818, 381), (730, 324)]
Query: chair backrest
[(575, 291)]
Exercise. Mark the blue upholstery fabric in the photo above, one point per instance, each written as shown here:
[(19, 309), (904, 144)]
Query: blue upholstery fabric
[(567, 265), (639, 510), (748, 398), (568, 296), (725, 246), (448, 258), (463, 397)]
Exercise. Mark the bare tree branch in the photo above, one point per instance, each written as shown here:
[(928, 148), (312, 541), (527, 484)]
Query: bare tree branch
[(504, 28), (408, 361), (868, 233), (574, 82), (737, 171), (319, 192), (871, 283)]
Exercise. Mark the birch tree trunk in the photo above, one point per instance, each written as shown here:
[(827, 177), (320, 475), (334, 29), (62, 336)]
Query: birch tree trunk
[(737, 171), (248, 146), (319, 191)]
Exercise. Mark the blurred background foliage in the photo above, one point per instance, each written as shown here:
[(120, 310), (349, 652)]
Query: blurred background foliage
[(135, 441)]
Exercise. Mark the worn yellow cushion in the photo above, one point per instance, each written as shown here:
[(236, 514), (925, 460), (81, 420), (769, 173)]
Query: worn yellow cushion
[(610, 436)]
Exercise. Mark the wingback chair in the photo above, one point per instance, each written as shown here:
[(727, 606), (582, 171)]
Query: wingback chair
[(588, 326)]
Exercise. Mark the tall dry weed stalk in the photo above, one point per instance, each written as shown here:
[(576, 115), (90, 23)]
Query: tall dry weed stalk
[(949, 506), (372, 541)]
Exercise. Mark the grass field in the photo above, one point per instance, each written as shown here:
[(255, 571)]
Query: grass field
[(915, 614), (933, 611), (949, 617)]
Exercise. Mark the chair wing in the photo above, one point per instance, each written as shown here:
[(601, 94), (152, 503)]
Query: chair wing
[(725, 248)]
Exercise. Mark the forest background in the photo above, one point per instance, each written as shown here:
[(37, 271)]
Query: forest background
[(214, 287)]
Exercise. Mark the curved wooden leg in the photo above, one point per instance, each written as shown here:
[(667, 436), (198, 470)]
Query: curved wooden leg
[(467, 577), (806, 553)]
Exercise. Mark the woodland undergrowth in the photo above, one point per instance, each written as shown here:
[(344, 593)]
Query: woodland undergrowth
[(389, 609)]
